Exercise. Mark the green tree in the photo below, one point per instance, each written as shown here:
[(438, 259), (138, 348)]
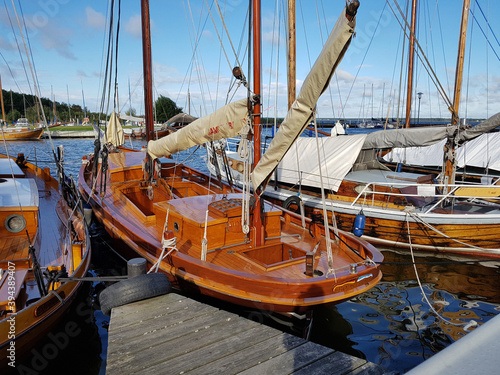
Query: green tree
[(131, 112), (165, 108)]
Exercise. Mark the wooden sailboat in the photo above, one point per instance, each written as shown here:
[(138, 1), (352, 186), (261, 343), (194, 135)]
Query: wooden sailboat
[(43, 238), (407, 210), (18, 132), (209, 237)]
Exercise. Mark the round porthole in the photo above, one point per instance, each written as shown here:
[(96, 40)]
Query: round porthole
[(176, 226), (15, 223)]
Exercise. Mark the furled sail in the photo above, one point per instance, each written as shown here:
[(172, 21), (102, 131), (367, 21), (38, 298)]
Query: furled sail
[(114, 131), (428, 135), (226, 122), (301, 111)]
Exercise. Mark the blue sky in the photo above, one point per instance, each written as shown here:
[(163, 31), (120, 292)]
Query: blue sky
[(67, 42)]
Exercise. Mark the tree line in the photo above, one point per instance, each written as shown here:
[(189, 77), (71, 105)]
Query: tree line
[(18, 106)]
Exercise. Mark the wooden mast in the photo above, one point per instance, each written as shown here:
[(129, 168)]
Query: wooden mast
[(1, 100), (292, 67), (460, 61), (449, 147), (257, 219), (147, 70), (410, 61)]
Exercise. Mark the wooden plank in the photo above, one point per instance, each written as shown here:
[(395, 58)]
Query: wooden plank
[(477, 191), (162, 345), (153, 309), (215, 353), (291, 360), (333, 364), (244, 360), (370, 369), (133, 339)]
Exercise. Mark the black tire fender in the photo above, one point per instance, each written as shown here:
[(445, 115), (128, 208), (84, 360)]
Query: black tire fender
[(132, 290), (292, 201)]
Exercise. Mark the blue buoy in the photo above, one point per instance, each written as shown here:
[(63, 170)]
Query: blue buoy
[(359, 225)]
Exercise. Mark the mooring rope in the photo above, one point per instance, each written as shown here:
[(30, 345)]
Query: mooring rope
[(466, 326)]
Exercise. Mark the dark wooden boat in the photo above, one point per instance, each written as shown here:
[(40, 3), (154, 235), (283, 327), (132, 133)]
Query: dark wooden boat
[(43, 237)]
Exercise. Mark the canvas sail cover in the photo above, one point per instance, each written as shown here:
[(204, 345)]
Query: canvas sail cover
[(337, 154), (479, 149), (481, 152), (114, 131), (132, 118), (226, 122), (301, 111), (412, 137), (426, 135)]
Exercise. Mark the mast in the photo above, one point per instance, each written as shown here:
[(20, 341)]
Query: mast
[(1, 100), (460, 61), (449, 147), (410, 62), (257, 220), (147, 70), (292, 68)]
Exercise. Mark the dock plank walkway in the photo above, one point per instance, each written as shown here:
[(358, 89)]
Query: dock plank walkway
[(173, 334)]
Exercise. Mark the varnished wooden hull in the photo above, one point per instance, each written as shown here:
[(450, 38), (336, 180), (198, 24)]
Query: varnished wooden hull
[(234, 270), (34, 320), (461, 234), (21, 135), (471, 228)]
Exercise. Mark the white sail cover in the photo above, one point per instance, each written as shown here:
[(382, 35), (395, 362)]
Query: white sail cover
[(114, 131), (337, 154), (226, 122), (131, 118), (301, 112), (482, 152), (479, 149)]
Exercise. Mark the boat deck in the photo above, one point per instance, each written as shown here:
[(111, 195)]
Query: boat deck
[(179, 335)]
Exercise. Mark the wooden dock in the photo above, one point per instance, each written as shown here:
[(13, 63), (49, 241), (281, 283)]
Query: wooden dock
[(173, 334)]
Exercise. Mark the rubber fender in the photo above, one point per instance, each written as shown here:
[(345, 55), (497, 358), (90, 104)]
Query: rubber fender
[(292, 201), (359, 225), (132, 290)]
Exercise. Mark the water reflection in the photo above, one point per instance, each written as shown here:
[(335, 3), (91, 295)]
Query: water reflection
[(392, 324)]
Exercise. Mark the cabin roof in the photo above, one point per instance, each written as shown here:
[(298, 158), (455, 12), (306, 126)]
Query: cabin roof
[(18, 192), (9, 166)]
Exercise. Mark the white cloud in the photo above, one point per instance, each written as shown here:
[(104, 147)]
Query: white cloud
[(134, 27), (95, 19)]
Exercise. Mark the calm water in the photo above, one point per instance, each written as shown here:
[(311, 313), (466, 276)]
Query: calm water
[(391, 325)]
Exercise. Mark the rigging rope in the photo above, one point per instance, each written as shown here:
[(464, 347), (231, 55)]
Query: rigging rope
[(169, 244), (323, 202), (471, 323), (244, 151), (422, 57), (419, 219)]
